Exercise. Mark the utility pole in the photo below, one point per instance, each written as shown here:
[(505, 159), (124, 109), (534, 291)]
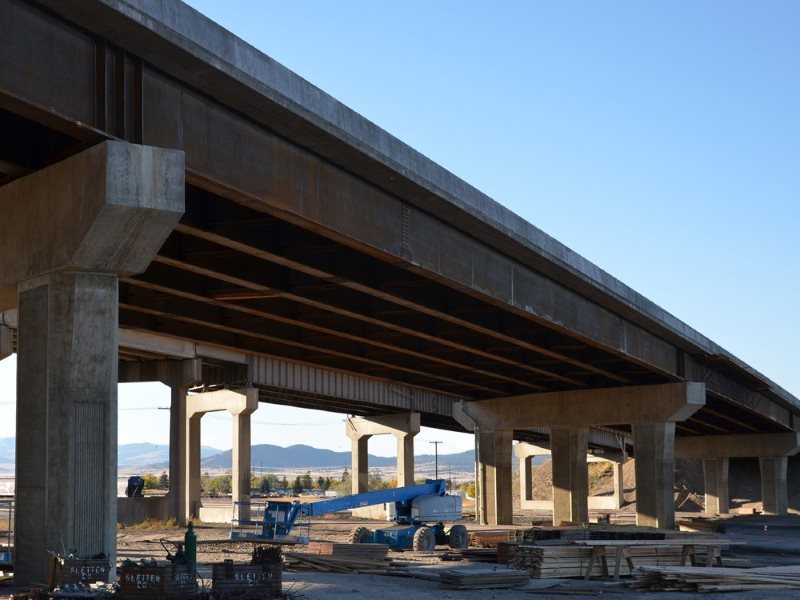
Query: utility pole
[(436, 446)]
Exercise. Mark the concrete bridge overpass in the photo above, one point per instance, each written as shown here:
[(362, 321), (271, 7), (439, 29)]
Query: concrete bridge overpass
[(164, 177)]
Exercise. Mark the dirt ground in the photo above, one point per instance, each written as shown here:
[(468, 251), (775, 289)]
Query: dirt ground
[(213, 546)]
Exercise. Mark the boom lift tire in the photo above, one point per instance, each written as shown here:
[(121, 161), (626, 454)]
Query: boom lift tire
[(358, 535), (424, 539), (458, 537)]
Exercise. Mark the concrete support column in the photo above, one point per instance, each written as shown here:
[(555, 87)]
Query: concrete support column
[(178, 376), (494, 473), (403, 426), (240, 480), (569, 447), (715, 475), (772, 448), (619, 485), (241, 403), (5, 342), (774, 493), (359, 476), (405, 459), (654, 446), (192, 469), (525, 479), (66, 473)]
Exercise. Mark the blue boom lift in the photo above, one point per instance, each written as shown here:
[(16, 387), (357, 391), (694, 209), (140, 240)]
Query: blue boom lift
[(419, 514)]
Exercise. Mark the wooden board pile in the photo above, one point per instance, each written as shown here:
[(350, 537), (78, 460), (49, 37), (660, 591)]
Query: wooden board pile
[(342, 558), (569, 533), (572, 561), (709, 579), (488, 555), (472, 579), (356, 551), (488, 538)]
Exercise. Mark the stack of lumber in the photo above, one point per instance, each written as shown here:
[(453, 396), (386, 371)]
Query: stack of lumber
[(573, 561), (471, 579), (489, 538), (505, 550), (354, 551), (341, 558), (471, 554), (705, 579)]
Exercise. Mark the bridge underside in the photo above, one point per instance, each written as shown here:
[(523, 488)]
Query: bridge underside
[(346, 272)]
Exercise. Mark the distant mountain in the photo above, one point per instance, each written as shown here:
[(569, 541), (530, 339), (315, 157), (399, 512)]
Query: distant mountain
[(154, 455), (269, 456), (128, 455)]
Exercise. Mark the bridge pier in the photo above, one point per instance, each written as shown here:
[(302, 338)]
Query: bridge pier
[(495, 505), (715, 477), (78, 226), (654, 448), (178, 376), (773, 450), (240, 404), (651, 410), (570, 474), (403, 426), (5, 342), (526, 452)]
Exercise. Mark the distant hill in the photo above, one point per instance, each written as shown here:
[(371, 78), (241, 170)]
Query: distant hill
[(269, 456), (154, 455), (128, 455)]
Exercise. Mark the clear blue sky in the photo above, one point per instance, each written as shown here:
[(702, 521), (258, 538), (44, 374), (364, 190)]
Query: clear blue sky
[(659, 140)]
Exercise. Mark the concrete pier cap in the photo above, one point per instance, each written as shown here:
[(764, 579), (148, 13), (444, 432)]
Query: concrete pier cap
[(108, 209), (605, 406)]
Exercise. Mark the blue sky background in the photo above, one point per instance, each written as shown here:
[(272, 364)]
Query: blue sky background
[(659, 140)]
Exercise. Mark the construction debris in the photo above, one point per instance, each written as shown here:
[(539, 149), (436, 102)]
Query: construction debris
[(472, 579), (709, 579)]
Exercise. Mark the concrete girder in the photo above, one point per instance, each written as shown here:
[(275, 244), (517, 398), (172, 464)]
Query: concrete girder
[(78, 225), (738, 446), (605, 406), (117, 228)]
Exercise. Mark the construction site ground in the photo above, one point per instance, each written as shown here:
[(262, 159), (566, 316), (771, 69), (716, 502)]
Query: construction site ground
[(780, 546)]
